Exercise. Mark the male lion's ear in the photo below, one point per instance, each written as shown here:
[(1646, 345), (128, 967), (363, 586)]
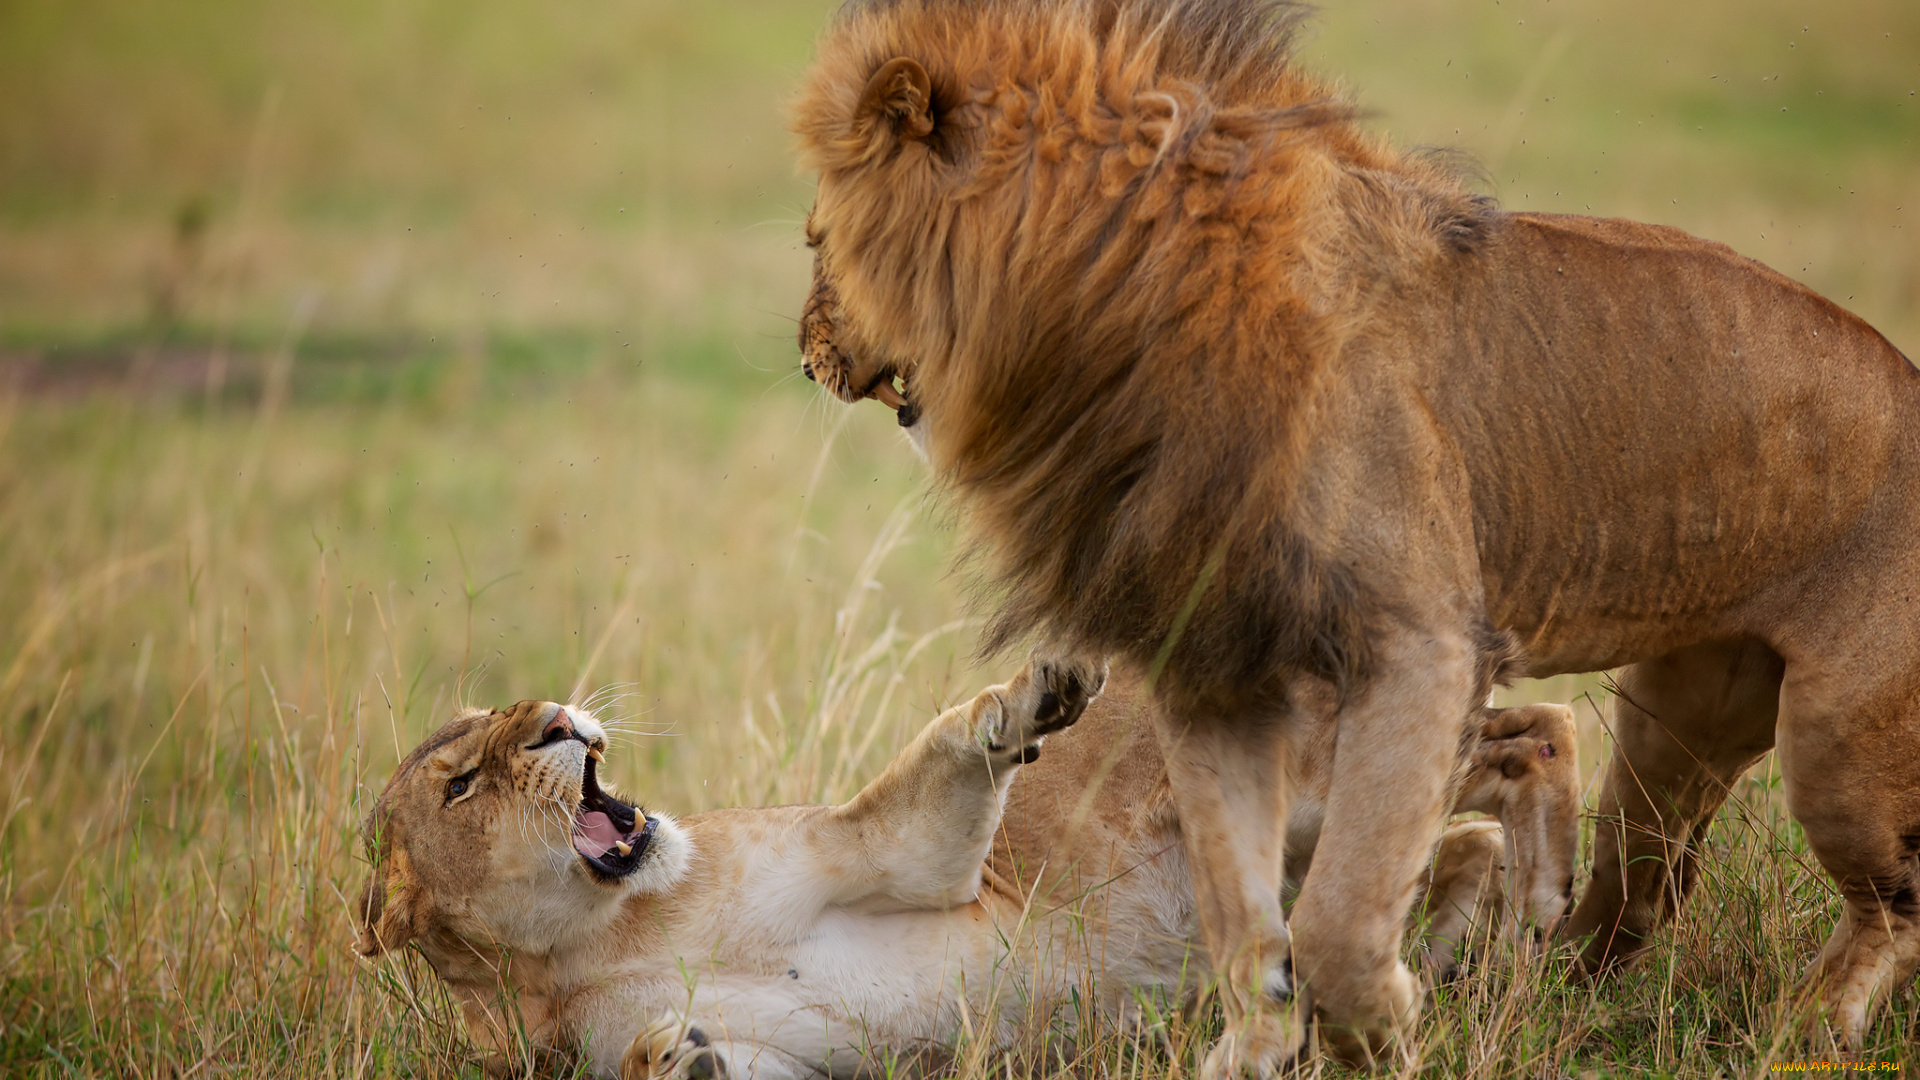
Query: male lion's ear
[(384, 914), (902, 93)]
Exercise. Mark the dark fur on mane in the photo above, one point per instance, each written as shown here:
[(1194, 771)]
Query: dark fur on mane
[(1113, 269), (1232, 46)]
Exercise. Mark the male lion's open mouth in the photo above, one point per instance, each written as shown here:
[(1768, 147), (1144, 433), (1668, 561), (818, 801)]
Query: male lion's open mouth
[(610, 835), (898, 398)]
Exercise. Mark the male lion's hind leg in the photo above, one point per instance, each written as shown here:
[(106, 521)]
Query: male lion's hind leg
[(1228, 776), (1852, 772), (1685, 727)]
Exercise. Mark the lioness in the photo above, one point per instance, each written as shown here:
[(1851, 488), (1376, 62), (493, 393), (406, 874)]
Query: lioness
[(1226, 385), (792, 941)]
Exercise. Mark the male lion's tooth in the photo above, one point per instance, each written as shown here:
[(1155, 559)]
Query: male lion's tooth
[(594, 753), (623, 847)]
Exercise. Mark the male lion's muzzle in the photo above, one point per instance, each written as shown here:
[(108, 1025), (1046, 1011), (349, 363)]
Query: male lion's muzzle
[(821, 358)]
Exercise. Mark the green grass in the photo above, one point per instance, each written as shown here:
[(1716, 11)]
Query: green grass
[(461, 336)]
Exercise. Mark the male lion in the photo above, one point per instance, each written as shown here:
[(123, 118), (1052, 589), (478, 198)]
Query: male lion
[(1231, 389), (788, 942)]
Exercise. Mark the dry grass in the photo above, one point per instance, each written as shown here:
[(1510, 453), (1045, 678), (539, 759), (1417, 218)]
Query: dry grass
[(228, 626), (466, 331)]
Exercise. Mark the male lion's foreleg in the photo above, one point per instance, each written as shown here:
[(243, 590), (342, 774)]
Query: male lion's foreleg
[(1685, 726), (1394, 761), (1229, 784)]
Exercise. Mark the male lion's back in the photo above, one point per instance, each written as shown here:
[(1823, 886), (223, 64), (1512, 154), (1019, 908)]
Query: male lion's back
[(1657, 430)]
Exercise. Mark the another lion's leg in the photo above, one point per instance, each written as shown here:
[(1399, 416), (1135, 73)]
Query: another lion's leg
[(1462, 902), (1525, 771), (1228, 777), (1850, 756), (1685, 727), (1394, 760)]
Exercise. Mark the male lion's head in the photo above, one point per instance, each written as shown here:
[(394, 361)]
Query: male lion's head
[(1101, 247), (495, 831)]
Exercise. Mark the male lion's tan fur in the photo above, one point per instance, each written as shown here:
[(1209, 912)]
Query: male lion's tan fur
[(1233, 390), (784, 943)]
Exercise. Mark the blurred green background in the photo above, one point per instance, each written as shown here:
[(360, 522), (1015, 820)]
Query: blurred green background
[(359, 359)]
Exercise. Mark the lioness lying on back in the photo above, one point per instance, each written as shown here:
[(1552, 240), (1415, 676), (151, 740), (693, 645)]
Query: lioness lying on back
[(796, 940)]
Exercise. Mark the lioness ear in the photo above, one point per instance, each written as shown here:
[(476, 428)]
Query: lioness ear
[(384, 915), (902, 93)]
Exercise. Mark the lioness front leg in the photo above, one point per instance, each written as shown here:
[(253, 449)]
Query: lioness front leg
[(915, 838), (673, 1049)]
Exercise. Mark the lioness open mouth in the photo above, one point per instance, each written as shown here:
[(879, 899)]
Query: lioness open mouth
[(611, 836)]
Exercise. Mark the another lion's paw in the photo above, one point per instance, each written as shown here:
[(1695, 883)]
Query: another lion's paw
[(1049, 694), (670, 1050)]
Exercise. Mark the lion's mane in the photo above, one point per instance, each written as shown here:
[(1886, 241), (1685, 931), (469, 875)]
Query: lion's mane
[(1122, 260)]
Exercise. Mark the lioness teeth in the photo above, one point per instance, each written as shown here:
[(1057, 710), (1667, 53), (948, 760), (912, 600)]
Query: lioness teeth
[(623, 847), (594, 753)]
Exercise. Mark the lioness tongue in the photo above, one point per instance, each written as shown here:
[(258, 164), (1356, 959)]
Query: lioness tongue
[(594, 834)]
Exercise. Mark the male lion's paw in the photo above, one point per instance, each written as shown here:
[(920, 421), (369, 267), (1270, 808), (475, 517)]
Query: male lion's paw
[(1261, 1046), (1365, 1029), (1048, 695), (669, 1049)]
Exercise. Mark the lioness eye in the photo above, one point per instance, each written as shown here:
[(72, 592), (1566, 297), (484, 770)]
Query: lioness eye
[(460, 785)]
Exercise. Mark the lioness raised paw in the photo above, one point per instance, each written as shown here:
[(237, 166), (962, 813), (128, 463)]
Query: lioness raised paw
[(669, 1050), (1048, 695)]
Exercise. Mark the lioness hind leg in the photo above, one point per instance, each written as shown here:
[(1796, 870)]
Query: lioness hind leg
[(1685, 726), (1462, 902), (1525, 771), (1852, 772)]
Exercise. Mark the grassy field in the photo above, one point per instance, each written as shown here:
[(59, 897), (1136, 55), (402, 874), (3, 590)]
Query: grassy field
[(358, 360)]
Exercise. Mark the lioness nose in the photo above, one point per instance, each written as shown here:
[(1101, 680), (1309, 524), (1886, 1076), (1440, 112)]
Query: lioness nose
[(560, 727)]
